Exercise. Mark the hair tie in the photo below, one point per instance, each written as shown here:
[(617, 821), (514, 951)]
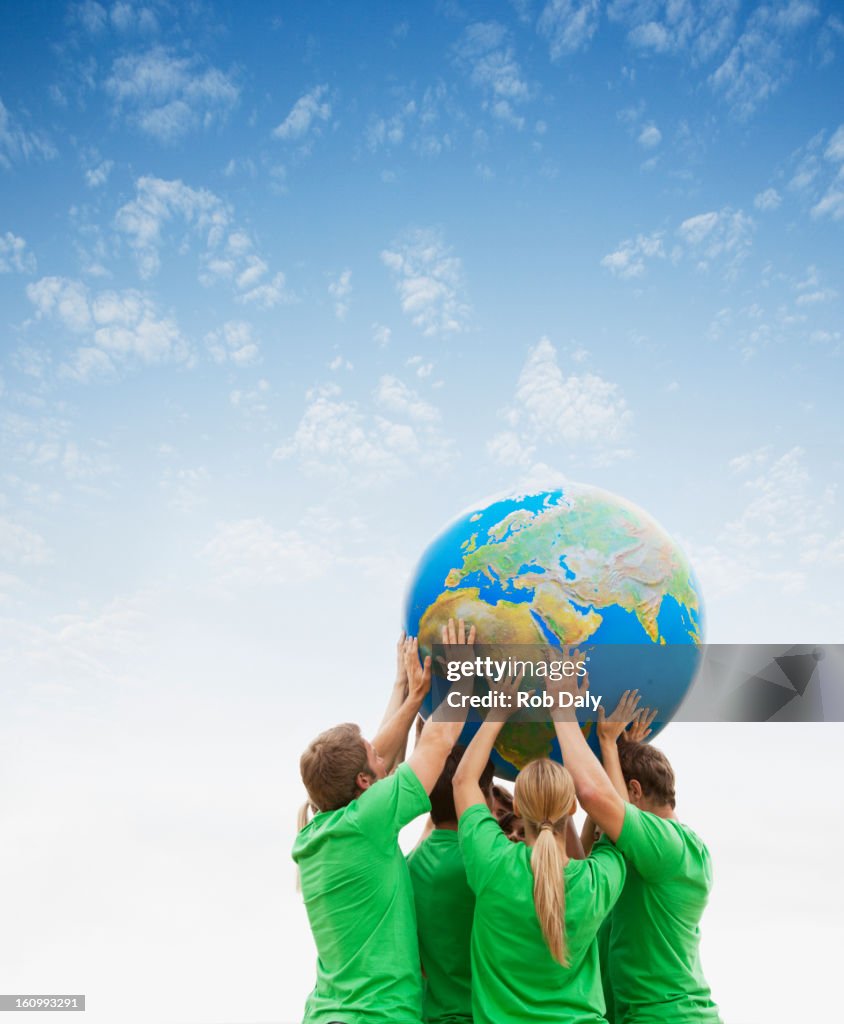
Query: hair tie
[(546, 824)]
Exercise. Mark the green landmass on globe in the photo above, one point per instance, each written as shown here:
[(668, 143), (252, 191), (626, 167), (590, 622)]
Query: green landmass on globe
[(575, 565)]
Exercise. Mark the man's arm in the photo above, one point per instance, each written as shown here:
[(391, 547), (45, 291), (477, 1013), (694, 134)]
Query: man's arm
[(592, 784), (438, 737), (610, 730), (391, 741), (399, 690)]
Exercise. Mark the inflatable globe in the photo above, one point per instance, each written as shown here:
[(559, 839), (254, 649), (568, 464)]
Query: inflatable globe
[(571, 566)]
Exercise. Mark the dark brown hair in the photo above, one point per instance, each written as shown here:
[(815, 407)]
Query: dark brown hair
[(442, 795), (651, 768)]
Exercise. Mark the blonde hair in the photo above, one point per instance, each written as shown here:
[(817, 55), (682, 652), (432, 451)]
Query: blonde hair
[(330, 768), (544, 795)]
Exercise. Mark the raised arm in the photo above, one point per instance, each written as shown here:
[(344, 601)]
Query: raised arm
[(398, 693), (466, 781), (610, 731), (596, 793), (438, 736), (391, 741)]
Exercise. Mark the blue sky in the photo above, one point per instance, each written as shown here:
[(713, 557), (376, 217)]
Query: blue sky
[(285, 287)]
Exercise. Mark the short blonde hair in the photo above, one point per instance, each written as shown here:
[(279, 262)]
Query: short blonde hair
[(331, 764)]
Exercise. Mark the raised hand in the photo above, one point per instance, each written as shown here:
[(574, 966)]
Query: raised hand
[(506, 705), (574, 685), (640, 728), (401, 668), (418, 672), (610, 728), (459, 645)]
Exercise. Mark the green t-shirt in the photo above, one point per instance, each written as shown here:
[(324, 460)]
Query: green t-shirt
[(359, 900), (445, 906), (514, 977), (655, 970), (604, 938)]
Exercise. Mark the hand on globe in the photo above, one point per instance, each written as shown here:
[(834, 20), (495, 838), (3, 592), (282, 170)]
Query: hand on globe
[(505, 691), (459, 647), (610, 729), (564, 711), (401, 669), (640, 728), (418, 673)]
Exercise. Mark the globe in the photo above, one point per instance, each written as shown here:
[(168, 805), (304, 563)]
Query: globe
[(575, 565)]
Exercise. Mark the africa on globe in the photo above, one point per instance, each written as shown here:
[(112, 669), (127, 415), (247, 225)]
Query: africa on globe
[(574, 565)]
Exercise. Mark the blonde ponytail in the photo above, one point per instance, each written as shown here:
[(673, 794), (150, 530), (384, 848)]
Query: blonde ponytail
[(544, 794), (303, 815)]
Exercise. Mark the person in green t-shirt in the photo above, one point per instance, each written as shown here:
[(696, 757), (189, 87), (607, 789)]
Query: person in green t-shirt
[(537, 911), (654, 957), (445, 905), (354, 879)]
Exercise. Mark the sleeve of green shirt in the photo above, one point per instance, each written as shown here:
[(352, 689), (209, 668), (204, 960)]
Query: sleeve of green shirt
[(653, 845), (609, 871), (482, 844), (389, 804)]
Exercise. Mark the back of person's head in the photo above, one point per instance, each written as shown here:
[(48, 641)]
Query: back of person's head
[(652, 769), (331, 764), (544, 799), (502, 801), (443, 811)]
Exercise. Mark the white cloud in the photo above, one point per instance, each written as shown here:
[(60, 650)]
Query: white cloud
[(669, 26), (97, 176), (757, 65), (381, 335), (629, 259), (228, 252), (389, 131), (340, 290), (568, 25), (270, 294), (233, 342), (116, 329), (367, 445), (19, 145), (509, 449), (157, 203), (420, 366), (716, 234), (770, 199), (123, 17), (429, 281), (305, 115), (21, 546), (486, 52), (66, 299), (14, 256), (785, 534), (724, 235), (395, 396), (787, 518), (835, 147), (166, 97), (650, 136), (583, 414), (252, 551)]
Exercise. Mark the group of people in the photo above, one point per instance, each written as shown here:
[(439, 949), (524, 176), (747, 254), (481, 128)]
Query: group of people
[(502, 913)]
